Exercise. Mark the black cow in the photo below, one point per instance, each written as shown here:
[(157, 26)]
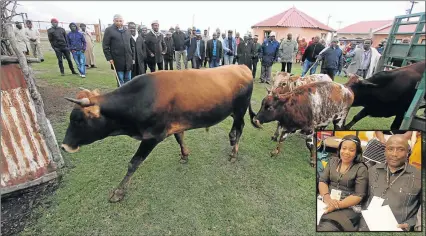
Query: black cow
[(154, 106), (386, 93)]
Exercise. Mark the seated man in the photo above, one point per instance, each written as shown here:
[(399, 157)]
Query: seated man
[(396, 181)]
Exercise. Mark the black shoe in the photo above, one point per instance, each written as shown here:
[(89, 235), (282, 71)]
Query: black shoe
[(41, 60), (262, 82), (93, 66), (267, 82), (75, 73)]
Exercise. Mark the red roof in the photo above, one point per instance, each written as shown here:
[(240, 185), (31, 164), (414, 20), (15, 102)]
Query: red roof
[(363, 27), (293, 18)]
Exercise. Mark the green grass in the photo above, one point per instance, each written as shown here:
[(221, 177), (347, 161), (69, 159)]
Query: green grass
[(258, 195)]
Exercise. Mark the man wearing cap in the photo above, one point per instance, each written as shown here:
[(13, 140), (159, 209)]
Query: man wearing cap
[(172, 30), (90, 44), (245, 52), (230, 48), (58, 40), (77, 46), (268, 55), (180, 53), (168, 57), (196, 52), (135, 35), (332, 58), (34, 37), (206, 38), (156, 47), (214, 51), (140, 47), (257, 47), (21, 39), (119, 49)]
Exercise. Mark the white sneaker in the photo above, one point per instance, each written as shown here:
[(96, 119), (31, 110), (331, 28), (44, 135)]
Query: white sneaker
[(83, 76)]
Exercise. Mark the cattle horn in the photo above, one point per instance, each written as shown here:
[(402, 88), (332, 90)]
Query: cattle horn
[(81, 88), (84, 102)]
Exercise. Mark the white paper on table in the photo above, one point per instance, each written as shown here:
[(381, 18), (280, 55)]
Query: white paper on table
[(380, 219), (320, 210)]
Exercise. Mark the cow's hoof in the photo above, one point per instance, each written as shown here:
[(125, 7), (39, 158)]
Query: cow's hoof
[(116, 196), (274, 138), (312, 164), (274, 153)]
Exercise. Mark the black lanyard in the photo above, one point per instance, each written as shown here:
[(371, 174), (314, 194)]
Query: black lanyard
[(340, 174), (389, 185)]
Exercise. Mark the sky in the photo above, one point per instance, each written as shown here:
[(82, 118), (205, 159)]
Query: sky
[(213, 14)]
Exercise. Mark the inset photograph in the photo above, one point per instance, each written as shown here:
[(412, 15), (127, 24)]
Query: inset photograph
[(369, 181)]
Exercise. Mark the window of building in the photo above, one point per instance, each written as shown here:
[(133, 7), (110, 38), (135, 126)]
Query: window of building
[(398, 40), (423, 41), (266, 33)]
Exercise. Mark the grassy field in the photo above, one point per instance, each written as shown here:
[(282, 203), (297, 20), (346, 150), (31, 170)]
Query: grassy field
[(257, 195)]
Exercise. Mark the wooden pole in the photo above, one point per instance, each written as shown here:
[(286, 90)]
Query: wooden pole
[(100, 30)]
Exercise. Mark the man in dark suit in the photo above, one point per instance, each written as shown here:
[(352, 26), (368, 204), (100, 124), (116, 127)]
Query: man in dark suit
[(214, 51), (196, 52)]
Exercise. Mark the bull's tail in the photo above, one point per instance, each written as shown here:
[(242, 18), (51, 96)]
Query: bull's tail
[(252, 115)]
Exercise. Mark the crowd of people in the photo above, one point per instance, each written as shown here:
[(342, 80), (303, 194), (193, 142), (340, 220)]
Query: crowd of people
[(132, 50)]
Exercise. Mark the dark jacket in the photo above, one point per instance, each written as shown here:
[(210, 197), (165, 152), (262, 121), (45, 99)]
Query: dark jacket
[(170, 48), (179, 40), (141, 55), (156, 46), (257, 47), (193, 47), (245, 53), (269, 52), (312, 51), (57, 37), (332, 58), (117, 46), (219, 49), (76, 41)]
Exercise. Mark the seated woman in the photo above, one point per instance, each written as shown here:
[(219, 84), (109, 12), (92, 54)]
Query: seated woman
[(343, 185)]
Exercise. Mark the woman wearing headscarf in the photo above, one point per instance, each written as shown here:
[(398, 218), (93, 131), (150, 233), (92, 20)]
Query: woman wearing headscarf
[(343, 185)]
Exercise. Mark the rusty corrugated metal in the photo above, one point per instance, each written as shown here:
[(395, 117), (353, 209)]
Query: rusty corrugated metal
[(24, 153)]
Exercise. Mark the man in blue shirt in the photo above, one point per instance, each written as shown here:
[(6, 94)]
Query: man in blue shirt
[(77, 46), (214, 51), (268, 55), (230, 48), (332, 58)]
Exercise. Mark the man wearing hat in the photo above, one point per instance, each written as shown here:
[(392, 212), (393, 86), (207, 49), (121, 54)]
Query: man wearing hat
[(197, 51), (58, 41), (156, 47), (168, 57), (119, 49), (268, 55), (90, 44), (332, 58), (179, 43), (229, 48), (172, 30), (257, 47), (34, 36)]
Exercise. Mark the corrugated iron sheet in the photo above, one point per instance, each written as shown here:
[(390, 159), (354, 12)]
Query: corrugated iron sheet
[(24, 153)]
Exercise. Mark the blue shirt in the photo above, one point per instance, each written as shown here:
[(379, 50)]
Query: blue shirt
[(214, 47)]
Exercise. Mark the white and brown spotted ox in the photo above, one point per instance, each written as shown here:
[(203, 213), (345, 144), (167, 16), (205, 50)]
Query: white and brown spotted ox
[(306, 108), (284, 83)]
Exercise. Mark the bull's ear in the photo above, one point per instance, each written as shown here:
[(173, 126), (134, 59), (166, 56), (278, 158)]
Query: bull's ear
[(84, 102), (368, 83)]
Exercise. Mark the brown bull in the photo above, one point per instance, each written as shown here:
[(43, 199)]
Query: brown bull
[(154, 106)]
